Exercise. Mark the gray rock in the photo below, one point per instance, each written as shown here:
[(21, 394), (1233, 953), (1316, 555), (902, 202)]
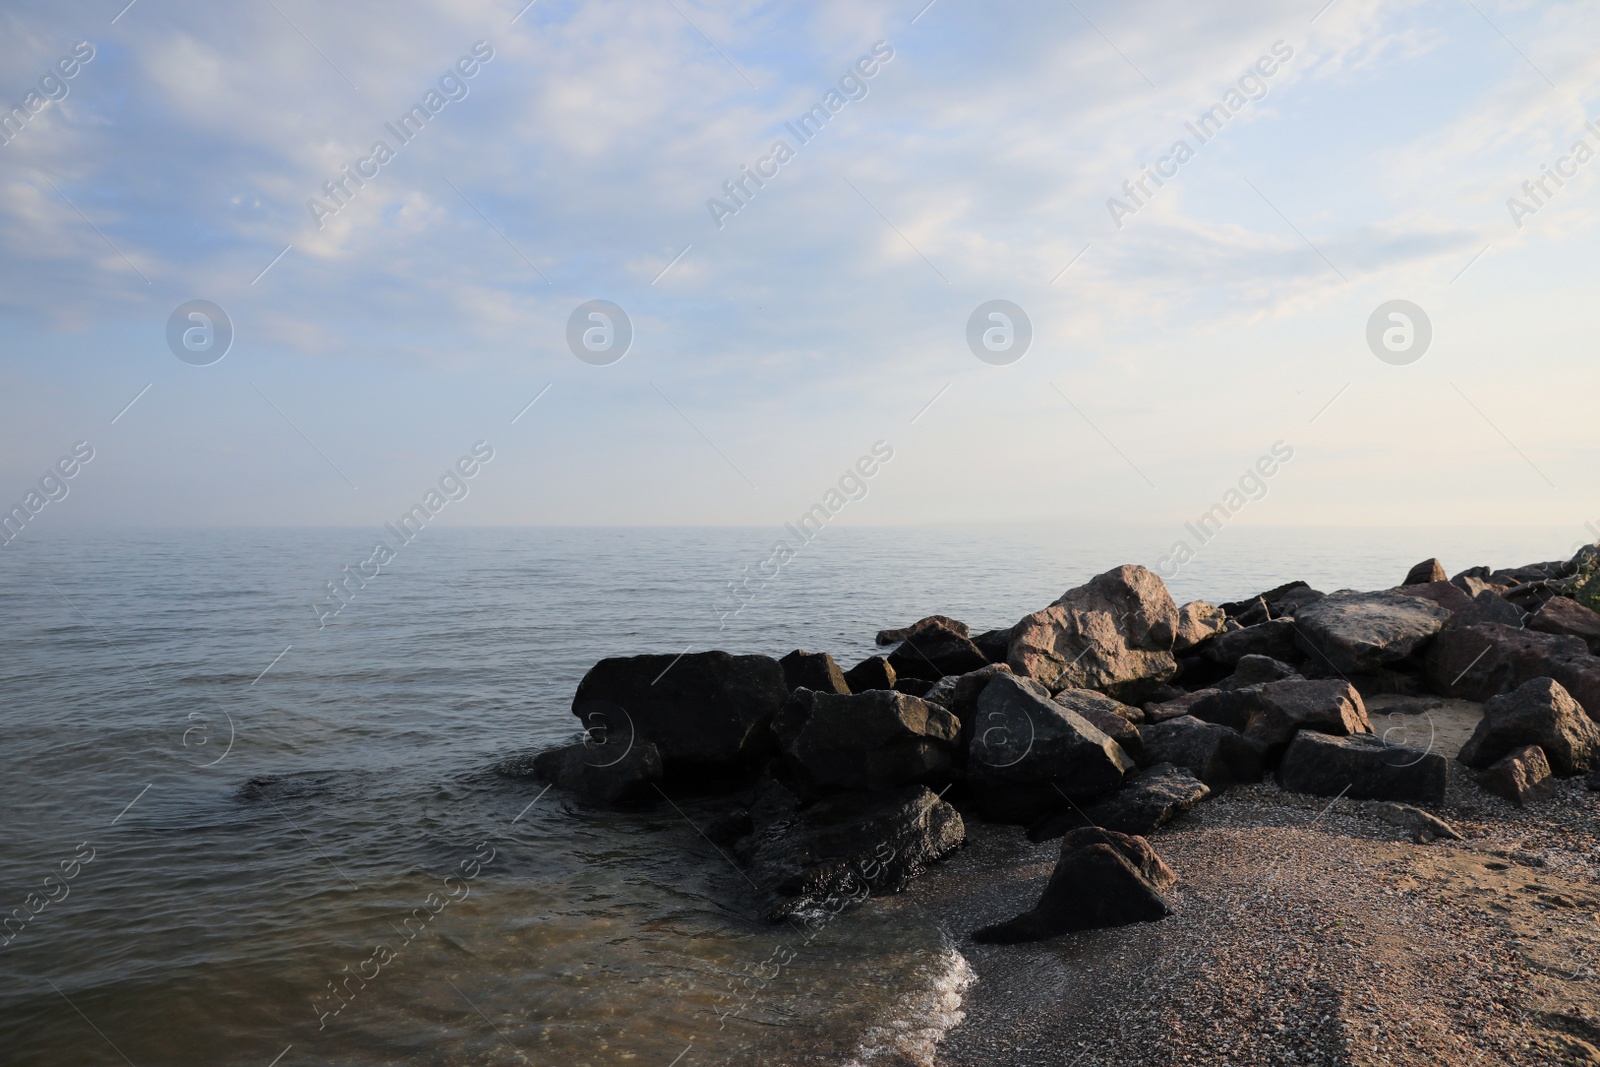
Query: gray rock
[(1111, 717), (619, 779), (958, 693), (815, 671), (1148, 800), (873, 672), (1353, 633), (1274, 639), (872, 740), (1361, 767), (1101, 879), (1486, 660), (1540, 712), (1198, 622), (1216, 755), (1521, 775), (1328, 705)]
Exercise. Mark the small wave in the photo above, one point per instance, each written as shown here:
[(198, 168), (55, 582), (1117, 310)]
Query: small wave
[(919, 1019)]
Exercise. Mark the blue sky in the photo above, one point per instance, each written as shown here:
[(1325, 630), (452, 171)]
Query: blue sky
[(1229, 313)]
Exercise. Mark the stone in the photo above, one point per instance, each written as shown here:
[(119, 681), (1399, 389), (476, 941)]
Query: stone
[(873, 672), (705, 711), (1519, 776), (1355, 633), (1111, 717), (958, 693), (1329, 705), (1540, 712), (872, 740), (1445, 594), (1563, 615), (915, 687), (1101, 879), (1171, 709), (1490, 606), (1149, 800), (934, 652), (1027, 754), (591, 772), (1114, 634), (894, 637), (994, 644), (1429, 570), (1276, 603), (1217, 755), (1198, 622), (1361, 767), (1485, 660), (1253, 670), (847, 847), (1422, 826), (815, 671), (1274, 639)]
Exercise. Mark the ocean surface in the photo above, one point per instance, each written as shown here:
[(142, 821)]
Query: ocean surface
[(237, 829)]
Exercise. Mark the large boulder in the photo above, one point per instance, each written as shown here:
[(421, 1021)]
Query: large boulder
[(1217, 755), (619, 774), (1361, 767), (1540, 712), (1028, 754), (849, 846), (1101, 879), (1328, 705), (1150, 799), (1429, 570), (1520, 775), (1198, 622), (1114, 633), (1274, 639), (1486, 660), (1356, 633), (815, 671), (933, 652), (1563, 615), (872, 740), (705, 711), (873, 672), (931, 622)]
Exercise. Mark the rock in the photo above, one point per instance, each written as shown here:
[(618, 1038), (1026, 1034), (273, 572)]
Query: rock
[(894, 637), (1354, 633), (1361, 767), (815, 671), (1274, 639), (1490, 606), (1283, 601), (915, 687), (1198, 622), (1148, 800), (872, 740), (934, 652), (1111, 717), (1540, 712), (1233, 708), (873, 672), (994, 644), (958, 693), (726, 829), (849, 846), (1216, 755), (1447, 596), (1520, 775), (1171, 709), (1563, 615), (1114, 634), (1101, 879), (1429, 570), (1422, 826), (602, 777), (1253, 670), (705, 711), (1488, 659), (1028, 754), (1328, 705)]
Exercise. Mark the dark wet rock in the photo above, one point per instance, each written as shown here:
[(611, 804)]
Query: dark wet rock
[(1114, 634), (1521, 775), (704, 711), (1102, 879), (306, 785), (933, 652), (1198, 622), (815, 671), (1274, 639), (1028, 754), (1111, 717), (1486, 660), (1429, 570), (873, 672), (894, 637), (601, 776), (994, 644), (1353, 633), (1361, 767), (729, 827), (915, 687), (1148, 800), (1253, 670), (1540, 712), (871, 740), (849, 846), (1217, 755), (1563, 615), (1171, 709)]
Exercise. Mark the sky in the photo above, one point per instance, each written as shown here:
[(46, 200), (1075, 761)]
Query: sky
[(1180, 333)]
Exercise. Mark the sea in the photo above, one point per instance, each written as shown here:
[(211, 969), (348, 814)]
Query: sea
[(239, 828)]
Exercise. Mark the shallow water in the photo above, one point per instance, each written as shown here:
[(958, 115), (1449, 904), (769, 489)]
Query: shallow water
[(150, 677)]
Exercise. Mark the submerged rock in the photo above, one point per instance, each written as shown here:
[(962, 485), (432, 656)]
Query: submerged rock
[(625, 779), (1101, 879)]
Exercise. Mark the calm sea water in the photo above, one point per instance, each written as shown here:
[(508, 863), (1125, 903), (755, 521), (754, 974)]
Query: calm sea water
[(165, 911)]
